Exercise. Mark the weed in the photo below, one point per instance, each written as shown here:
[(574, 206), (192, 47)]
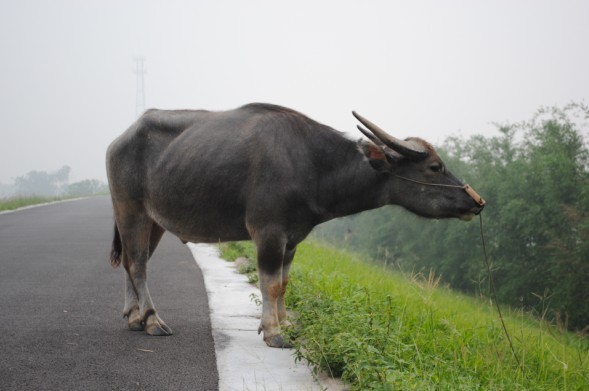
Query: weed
[(254, 298)]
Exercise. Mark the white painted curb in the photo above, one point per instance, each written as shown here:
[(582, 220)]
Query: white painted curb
[(244, 361)]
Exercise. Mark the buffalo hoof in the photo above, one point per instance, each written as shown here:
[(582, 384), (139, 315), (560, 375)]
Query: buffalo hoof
[(135, 322), (277, 341), (136, 326), (156, 327)]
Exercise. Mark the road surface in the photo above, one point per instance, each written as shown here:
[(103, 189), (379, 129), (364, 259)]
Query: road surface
[(61, 308)]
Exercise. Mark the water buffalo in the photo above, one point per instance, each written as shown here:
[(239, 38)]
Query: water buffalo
[(264, 173)]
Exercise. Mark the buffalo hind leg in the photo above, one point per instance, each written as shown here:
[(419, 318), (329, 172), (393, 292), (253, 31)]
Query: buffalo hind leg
[(141, 312), (132, 312), (140, 239)]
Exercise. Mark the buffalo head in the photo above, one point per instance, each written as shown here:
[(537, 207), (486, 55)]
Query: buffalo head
[(419, 179)]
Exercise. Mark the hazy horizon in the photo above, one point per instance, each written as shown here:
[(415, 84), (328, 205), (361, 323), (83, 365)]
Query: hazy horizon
[(421, 68)]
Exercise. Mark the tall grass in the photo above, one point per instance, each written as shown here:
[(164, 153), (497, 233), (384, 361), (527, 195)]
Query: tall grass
[(382, 330)]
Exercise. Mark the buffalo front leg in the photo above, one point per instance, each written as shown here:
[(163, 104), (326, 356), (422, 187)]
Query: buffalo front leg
[(287, 260), (271, 250)]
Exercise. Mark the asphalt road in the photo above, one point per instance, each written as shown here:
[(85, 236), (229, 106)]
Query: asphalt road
[(61, 304)]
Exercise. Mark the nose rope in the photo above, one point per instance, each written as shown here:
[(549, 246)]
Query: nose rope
[(481, 202), (494, 294), (430, 184), (469, 190)]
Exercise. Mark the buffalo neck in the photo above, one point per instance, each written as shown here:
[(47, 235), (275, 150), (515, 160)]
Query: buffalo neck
[(352, 186)]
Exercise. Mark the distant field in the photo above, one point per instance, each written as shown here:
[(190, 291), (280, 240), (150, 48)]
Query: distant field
[(382, 330)]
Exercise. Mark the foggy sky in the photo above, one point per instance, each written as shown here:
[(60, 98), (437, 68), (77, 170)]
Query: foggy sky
[(417, 68)]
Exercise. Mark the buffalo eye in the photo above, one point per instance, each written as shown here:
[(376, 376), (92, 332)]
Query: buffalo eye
[(437, 167)]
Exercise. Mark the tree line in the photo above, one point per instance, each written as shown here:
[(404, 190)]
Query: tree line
[(535, 178), (52, 184)]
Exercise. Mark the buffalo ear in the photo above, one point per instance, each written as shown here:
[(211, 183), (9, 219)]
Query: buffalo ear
[(377, 157)]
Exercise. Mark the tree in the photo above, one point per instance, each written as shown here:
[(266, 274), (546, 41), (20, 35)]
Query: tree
[(535, 178), (85, 188), (42, 183)]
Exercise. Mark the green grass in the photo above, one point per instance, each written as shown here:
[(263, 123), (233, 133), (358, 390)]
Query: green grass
[(386, 331), (233, 250), (19, 202)]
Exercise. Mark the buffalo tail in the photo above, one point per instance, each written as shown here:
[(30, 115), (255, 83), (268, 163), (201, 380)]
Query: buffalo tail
[(116, 250)]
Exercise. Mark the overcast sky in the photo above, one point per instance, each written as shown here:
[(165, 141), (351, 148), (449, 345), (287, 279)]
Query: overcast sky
[(422, 68)]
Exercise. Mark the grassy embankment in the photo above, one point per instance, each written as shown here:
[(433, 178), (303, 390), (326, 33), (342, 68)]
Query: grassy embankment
[(382, 330), (19, 202)]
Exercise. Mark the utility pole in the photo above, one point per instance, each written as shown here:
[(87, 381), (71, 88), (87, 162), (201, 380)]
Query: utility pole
[(140, 94)]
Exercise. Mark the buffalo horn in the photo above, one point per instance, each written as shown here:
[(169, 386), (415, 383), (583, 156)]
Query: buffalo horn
[(370, 136), (406, 148)]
